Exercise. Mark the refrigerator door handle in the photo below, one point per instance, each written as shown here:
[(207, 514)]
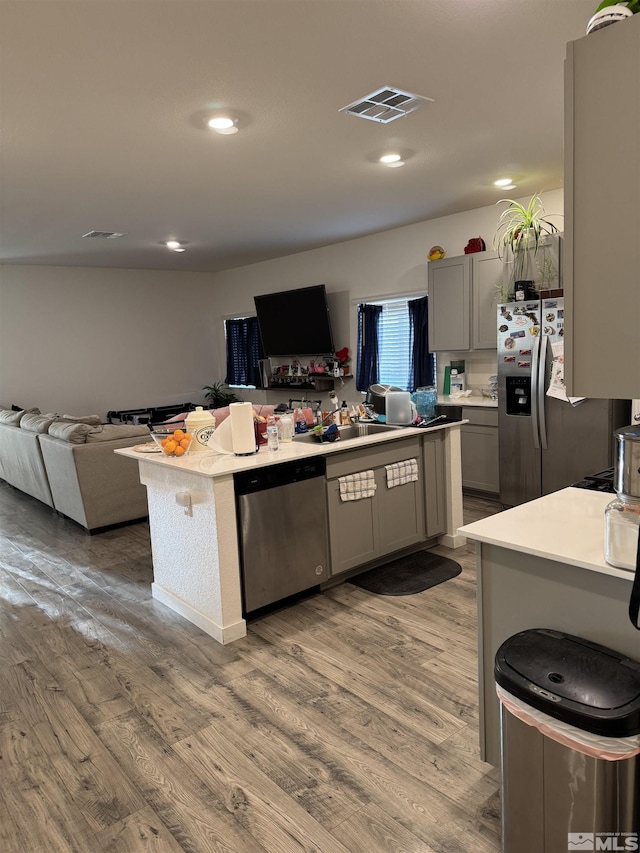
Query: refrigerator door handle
[(542, 374), (535, 358)]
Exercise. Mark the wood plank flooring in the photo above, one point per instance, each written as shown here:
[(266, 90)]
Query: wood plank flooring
[(345, 723)]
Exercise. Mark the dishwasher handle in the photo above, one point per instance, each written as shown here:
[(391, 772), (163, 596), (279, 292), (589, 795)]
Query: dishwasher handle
[(273, 476)]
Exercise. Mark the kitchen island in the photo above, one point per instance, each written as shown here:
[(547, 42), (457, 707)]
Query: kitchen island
[(541, 565), (193, 520)]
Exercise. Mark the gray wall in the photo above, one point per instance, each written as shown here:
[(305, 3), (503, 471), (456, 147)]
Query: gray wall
[(79, 341)]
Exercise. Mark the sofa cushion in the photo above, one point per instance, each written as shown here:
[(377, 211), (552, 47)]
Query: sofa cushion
[(36, 423), (111, 432), (93, 420), (71, 432), (8, 416)]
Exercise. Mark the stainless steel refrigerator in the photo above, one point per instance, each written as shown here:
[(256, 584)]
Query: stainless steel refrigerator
[(545, 443)]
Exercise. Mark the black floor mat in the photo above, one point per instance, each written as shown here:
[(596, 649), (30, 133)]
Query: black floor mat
[(408, 575)]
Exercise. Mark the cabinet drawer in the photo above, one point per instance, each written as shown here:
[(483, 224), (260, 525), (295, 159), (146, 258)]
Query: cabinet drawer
[(479, 416), (352, 461)]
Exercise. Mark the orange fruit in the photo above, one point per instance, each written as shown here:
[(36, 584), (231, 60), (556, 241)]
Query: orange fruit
[(184, 443), (179, 450), (164, 442), (188, 436), (178, 434)]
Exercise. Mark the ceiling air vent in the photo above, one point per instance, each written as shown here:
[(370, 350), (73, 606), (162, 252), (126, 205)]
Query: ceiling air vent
[(385, 105), (105, 235)]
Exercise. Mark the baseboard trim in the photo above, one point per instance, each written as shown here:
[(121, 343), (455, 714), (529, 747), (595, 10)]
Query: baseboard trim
[(222, 633)]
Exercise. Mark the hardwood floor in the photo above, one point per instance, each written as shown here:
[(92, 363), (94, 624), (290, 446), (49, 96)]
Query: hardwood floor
[(346, 723)]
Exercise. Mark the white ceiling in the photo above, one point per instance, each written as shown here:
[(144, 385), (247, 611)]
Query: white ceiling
[(102, 108)]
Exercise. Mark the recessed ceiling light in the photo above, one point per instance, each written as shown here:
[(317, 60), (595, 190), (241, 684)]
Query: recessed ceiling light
[(179, 249), (220, 123), (503, 182), (172, 244), (396, 164), (390, 158), (223, 124), (508, 187)]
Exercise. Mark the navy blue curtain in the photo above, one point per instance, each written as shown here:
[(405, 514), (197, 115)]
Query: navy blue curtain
[(368, 336), (422, 363), (244, 351)]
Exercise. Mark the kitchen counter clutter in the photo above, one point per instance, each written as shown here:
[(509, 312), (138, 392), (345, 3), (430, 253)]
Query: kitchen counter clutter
[(193, 518), (541, 565)]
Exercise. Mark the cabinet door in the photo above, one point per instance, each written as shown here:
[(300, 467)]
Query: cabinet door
[(450, 304), (401, 512), (479, 447), (353, 530), (602, 208), (434, 484), (487, 270)]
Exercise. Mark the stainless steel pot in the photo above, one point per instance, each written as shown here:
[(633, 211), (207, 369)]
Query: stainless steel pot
[(626, 478), (376, 397)]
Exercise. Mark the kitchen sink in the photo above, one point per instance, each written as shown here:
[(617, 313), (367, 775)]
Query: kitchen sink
[(354, 431)]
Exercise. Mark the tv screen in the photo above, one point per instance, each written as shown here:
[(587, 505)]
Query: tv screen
[(295, 322)]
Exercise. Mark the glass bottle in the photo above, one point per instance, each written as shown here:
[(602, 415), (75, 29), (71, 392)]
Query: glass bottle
[(621, 525), (273, 440)]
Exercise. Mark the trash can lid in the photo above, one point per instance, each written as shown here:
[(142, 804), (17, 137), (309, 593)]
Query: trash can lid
[(571, 679)]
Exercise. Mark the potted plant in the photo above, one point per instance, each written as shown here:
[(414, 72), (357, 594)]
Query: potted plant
[(518, 236), (219, 395), (611, 11)]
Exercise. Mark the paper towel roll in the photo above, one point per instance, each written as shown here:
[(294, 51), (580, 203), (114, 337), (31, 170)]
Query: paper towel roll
[(243, 436)]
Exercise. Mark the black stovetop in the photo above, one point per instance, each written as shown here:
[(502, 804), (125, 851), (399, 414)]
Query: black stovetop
[(600, 482)]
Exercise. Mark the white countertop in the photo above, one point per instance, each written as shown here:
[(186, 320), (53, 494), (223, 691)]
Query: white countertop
[(472, 400), (566, 526), (212, 464)]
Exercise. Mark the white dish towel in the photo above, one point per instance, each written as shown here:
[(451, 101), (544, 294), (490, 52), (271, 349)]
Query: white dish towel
[(400, 473), (353, 487)]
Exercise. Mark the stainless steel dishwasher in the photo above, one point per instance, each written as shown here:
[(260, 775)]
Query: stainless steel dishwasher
[(283, 530)]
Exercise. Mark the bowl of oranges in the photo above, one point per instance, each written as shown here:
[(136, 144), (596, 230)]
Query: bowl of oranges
[(172, 442)]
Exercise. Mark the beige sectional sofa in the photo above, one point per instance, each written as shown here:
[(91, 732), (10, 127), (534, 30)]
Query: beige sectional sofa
[(69, 464)]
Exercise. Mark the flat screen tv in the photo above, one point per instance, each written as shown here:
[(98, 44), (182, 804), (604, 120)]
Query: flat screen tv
[(295, 322)]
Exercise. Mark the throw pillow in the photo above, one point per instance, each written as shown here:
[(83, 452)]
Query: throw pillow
[(110, 432), (34, 409), (8, 416), (94, 420), (73, 433), (36, 423)]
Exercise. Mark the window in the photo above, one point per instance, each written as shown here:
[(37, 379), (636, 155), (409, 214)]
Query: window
[(393, 344), (244, 351)]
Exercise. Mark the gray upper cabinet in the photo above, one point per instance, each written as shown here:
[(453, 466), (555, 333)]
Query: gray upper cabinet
[(462, 302), (602, 210)]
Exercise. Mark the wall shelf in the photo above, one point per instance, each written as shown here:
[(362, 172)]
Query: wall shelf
[(308, 382)]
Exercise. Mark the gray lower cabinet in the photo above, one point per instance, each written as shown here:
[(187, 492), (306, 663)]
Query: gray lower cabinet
[(479, 447), (363, 530)]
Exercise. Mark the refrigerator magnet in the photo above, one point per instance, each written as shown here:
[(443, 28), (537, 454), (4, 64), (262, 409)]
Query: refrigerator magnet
[(524, 364), (503, 328), (549, 330), (519, 334), (509, 358), (525, 352), (509, 343), (534, 330)]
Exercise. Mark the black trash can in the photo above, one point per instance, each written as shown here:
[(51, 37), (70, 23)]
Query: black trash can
[(570, 744)]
